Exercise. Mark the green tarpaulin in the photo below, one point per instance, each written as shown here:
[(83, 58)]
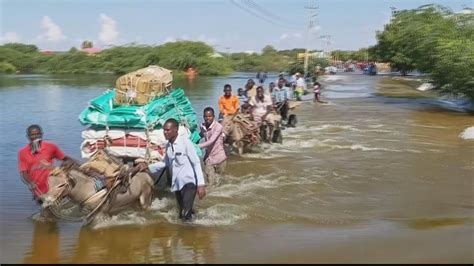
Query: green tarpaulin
[(103, 112)]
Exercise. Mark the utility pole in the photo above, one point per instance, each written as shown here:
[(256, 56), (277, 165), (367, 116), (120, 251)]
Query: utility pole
[(327, 40), (311, 25)]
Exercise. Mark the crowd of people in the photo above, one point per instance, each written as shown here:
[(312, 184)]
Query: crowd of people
[(253, 103)]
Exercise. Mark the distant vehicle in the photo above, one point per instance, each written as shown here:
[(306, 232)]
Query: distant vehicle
[(371, 69)]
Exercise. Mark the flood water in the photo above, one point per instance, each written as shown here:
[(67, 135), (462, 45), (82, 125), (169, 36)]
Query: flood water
[(363, 179)]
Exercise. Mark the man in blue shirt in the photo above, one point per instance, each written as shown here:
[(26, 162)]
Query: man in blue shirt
[(187, 177), (242, 97), (281, 94)]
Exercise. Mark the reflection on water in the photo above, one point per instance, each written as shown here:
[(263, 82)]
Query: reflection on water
[(153, 243), (45, 244), (363, 175), (432, 223)]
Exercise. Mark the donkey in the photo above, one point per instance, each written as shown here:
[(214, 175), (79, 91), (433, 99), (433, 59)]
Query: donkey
[(92, 194)]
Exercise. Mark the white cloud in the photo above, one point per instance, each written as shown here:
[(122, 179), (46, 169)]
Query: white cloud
[(315, 29), (297, 35), (284, 36), (169, 39), (52, 32), (210, 41), (9, 37), (184, 37), (108, 32)]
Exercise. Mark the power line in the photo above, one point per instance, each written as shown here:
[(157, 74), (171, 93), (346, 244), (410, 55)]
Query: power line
[(258, 15), (251, 12), (268, 13)]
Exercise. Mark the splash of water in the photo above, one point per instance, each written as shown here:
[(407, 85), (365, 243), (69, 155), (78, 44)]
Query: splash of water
[(468, 133)]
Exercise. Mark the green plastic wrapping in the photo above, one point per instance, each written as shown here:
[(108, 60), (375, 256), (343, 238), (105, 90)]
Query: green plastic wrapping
[(103, 112)]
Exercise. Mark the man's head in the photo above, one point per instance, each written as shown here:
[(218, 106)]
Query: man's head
[(297, 74), (271, 87), (281, 82), (208, 116), (250, 83), (246, 108), (227, 90), (35, 135), (240, 91), (170, 129), (260, 92), (34, 132)]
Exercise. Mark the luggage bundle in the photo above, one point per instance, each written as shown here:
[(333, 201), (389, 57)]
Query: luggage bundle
[(131, 127), (143, 85)]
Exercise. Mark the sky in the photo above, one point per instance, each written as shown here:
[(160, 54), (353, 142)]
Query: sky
[(227, 25)]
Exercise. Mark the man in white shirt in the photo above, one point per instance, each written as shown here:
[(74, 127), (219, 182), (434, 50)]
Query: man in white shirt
[(186, 173), (300, 86)]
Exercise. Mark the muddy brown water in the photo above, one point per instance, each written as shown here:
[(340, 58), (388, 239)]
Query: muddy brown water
[(363, 179)]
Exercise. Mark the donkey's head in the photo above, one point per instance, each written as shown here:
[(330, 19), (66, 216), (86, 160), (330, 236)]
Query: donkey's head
[(59, 186)]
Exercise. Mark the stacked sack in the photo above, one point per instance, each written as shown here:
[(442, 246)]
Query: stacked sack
[(126, 142), (136, 131)]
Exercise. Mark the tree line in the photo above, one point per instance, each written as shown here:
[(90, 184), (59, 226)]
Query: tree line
[(178, 56)]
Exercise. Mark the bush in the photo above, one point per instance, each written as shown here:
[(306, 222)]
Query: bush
[(7, 68)]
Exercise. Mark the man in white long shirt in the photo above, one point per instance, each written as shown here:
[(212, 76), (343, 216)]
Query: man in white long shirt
[(187, 177)]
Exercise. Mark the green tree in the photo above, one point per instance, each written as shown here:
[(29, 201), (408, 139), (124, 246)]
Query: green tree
[(434, 40), (268, 50), (22, 48), (7, 68)]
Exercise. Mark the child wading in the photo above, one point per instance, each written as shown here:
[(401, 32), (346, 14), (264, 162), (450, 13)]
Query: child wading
[(317, 92)]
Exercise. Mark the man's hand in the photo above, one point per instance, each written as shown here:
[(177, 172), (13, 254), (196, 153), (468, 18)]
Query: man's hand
[(46, 165), (140, 167), (69, 163), (32, 186), (201, 191)]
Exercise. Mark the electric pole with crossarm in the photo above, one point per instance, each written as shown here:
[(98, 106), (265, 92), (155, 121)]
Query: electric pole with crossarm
[(311, 25)]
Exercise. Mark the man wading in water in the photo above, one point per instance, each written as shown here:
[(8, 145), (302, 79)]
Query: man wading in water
[(215, 159), (186, 173), (35, 161)]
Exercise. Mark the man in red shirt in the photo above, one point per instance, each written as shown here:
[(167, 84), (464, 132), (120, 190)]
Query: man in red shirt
[(35, 161)]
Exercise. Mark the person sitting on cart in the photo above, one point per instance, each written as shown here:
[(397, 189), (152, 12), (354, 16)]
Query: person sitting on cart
[(250, 88), (281, 96), (263, 109), (242, 97)]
